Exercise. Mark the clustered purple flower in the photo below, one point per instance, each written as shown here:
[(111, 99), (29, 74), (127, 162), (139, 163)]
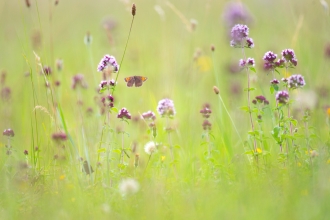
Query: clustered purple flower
[(59, 136), (246, 63), (296, 81), (166, 108), (207, 125), (206, 112), (107, 101), (149, 115), (289, 56), (282, 97), (274, 82), (8, 132), (260, 99), (108, 60), (269, 59), (239, 37), (124, 114), (104, 84), (78, 80), (236, 12)]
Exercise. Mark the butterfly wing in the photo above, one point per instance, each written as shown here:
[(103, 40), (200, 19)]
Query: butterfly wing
[(130, 81), (139, 80)]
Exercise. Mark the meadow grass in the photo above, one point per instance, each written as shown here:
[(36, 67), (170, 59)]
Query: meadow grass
[(71, 157)]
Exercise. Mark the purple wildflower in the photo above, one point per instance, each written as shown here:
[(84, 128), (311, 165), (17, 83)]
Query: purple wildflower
[(296, 81), (108, 60), (246, 63), (8, 132), (107, 101), (249, 42), (78, 80), (166, 108), (282, 97), (280, 63), (103, 84), (59, 136), (149, 115), (269, 57), (236, 12), (124, 114), (47, 70), (206, 125), (206, 112), (274, 82), (289, 56), (239, 33)]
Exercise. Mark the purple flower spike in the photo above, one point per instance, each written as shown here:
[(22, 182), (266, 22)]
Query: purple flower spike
[(8, 132), (282, 97), (166, 108), (106, 61), (124, 114)]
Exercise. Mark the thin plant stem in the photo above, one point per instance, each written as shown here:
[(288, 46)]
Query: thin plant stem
[(122, 59)]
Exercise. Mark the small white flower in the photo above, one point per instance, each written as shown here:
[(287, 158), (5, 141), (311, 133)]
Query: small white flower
[(128, 186), (150, 147)]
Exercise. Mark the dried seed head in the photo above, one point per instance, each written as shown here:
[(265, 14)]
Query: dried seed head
[(133, 9), (212, 48), (27, 3), (136, 161), (216, 90), (56, 2)]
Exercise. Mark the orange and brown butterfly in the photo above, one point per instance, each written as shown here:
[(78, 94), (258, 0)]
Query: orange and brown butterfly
[(137, 80)]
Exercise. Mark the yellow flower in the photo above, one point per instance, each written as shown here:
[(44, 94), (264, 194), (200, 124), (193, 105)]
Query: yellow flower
[(328, 161), (204, 63), (62, 177), (162, 158), (328, 111), (259, 150), (299, 164)]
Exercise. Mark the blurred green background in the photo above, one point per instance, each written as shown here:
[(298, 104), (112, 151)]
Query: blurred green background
[(170, 43)]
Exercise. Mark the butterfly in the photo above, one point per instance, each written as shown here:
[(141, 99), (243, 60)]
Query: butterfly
[(137, 80)]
